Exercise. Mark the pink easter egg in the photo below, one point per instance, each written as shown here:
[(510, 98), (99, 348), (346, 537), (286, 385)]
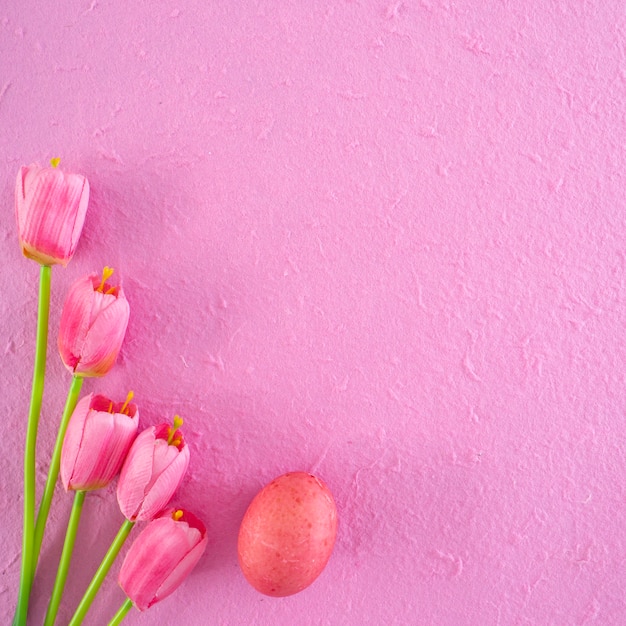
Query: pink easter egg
[(287, 534)]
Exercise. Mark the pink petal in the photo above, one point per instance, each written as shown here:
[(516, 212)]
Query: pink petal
[(136, 473), (163, 488), (162, 431), (81, 211), (75, 320), (104, 339), (93, 451), (120, 439), (100, 403), (181, 571), (164, 456), (72, 440), (192, 521), (99, 302)]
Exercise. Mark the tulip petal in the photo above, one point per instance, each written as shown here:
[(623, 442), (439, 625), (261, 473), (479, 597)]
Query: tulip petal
[(81, 213), (163, 488), (100, 403), (93, 451), (136, 474), (72, 440), (103, 339), (181, 571), (119, 442), (75, 320), (99, 302), (192, 522), (164, 455)]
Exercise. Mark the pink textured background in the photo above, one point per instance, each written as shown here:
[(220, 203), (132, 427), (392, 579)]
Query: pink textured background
[(382, 241)]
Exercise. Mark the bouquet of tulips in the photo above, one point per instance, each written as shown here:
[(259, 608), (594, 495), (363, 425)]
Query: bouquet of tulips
[(98, 437)]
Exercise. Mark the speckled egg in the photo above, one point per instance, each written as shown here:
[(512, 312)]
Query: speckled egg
[(287, 534)]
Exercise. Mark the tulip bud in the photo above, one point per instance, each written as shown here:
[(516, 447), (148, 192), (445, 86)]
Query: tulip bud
[(93, 325), (161, 557), (50, 208), (154, 467), (97, 440)]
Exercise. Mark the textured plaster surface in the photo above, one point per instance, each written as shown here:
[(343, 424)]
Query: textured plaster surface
[(381, 241)]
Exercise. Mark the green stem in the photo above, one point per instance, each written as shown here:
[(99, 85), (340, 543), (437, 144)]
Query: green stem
[(53, 472), (100, 575), (121, 613), (66, 557), (39, 372)]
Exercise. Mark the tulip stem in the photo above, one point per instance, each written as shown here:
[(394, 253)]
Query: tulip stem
[(100, 575), (36, 398), (66, 557), (121, 613), (53, 472)]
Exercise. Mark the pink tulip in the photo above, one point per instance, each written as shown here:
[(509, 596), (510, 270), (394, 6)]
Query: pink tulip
[(50, 207), (162, 557), (154, 467), (93, 325), (97, 440)]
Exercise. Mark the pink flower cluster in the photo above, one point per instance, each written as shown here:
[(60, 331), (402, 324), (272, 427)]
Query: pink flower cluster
[(101, 440)]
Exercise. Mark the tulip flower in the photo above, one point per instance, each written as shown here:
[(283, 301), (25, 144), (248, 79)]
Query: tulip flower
[(161, 557), (97, 441), (50, 208), (93, 325), (154, 467)]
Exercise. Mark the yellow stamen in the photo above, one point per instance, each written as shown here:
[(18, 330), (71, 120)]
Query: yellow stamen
[(55, 161), (129, 397), (172, 439), (176, 515), (107, 272), (110, 409)]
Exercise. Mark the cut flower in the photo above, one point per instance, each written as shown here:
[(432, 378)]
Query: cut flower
[(98, 437), (93, 325), (50, 208), (162, 557), (154, 467)]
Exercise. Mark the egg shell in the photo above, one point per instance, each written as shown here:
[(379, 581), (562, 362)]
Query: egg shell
[(287, 534)]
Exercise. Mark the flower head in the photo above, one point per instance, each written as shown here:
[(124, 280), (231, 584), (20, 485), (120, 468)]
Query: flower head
[(50, 208), (154, 467), (93, 325), (162, 557), (97, 440)]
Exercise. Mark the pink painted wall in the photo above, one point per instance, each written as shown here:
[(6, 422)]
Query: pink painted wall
[(380, 241)]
